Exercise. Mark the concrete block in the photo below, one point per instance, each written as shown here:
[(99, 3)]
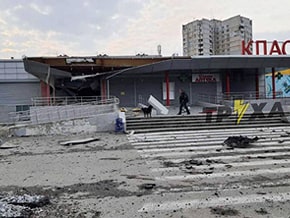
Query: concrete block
[(20, 132)]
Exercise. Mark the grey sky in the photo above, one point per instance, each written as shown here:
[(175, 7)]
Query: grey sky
[(123, 27)]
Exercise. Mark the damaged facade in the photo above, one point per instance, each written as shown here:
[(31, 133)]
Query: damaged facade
[(133, 79)]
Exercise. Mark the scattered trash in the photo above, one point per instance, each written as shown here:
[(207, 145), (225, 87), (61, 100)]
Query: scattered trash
[(170, 164), (147, 186), (224, 211), (137, 109), (216, 194), (208, 172), (261, 211), (138, 177), (122, 109), (240, 141), (110, 158), (261, 157), (195, 162), (228, 166), (188, 167), (261, 193), (209, 161), (79, 141)]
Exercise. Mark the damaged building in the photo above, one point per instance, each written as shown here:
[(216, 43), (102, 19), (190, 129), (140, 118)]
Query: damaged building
[(132, 79)]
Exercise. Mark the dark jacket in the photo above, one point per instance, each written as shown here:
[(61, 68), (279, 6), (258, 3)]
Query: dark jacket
[(183, 98)]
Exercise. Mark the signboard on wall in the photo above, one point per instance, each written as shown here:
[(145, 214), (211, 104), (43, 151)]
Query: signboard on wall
[(205, 78), (282, 84), (264, 47)]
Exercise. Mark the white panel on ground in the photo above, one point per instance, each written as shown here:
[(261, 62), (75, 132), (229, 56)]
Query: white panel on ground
[(160, 108)]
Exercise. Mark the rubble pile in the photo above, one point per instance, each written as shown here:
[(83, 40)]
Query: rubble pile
[(240, 141), (21, 206)]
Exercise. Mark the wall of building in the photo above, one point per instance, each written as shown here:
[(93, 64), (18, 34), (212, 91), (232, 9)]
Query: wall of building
[(18, 93), (214, 37), (134, 90), (17, 87), (138, 88)]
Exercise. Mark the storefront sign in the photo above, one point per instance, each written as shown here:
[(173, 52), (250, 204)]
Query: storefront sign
[(263, 47), (79, 60), (205, 78)]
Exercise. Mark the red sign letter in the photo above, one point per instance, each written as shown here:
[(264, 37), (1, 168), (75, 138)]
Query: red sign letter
[(284, 47), (247, 49), (264, 43), (275, 48)]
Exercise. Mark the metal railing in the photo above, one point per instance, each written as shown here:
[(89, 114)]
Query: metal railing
[(222, 98), (213, 99), (251, 95), (68, 100), (242, 95)]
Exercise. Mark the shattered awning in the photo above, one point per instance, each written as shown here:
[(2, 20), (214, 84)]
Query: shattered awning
[(44, 71)]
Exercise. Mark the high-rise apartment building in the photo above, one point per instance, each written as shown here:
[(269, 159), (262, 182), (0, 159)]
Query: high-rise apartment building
[(216, 37)]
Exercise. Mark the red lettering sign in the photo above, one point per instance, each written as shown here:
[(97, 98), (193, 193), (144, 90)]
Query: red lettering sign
[(261, 47), (284, 47), (264, 43), (247, 49), (205, 78), (275, 48)]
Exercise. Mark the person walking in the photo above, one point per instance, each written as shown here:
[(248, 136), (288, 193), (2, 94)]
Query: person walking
[(183, 100)]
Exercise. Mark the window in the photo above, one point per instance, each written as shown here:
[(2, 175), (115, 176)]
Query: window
[(22, 108), (171, 90)]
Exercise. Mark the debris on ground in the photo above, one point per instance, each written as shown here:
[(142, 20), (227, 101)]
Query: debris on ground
[(224, 211), (21, 206), (169, 164), (192, 162), (7, 145), (147, 186), (261, 211), (240, 141), (79, 141)]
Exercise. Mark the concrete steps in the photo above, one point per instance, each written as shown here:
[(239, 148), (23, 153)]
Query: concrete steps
[(199, 122), (194, 171)]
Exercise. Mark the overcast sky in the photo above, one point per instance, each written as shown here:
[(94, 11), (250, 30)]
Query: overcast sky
[(123, 27)]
